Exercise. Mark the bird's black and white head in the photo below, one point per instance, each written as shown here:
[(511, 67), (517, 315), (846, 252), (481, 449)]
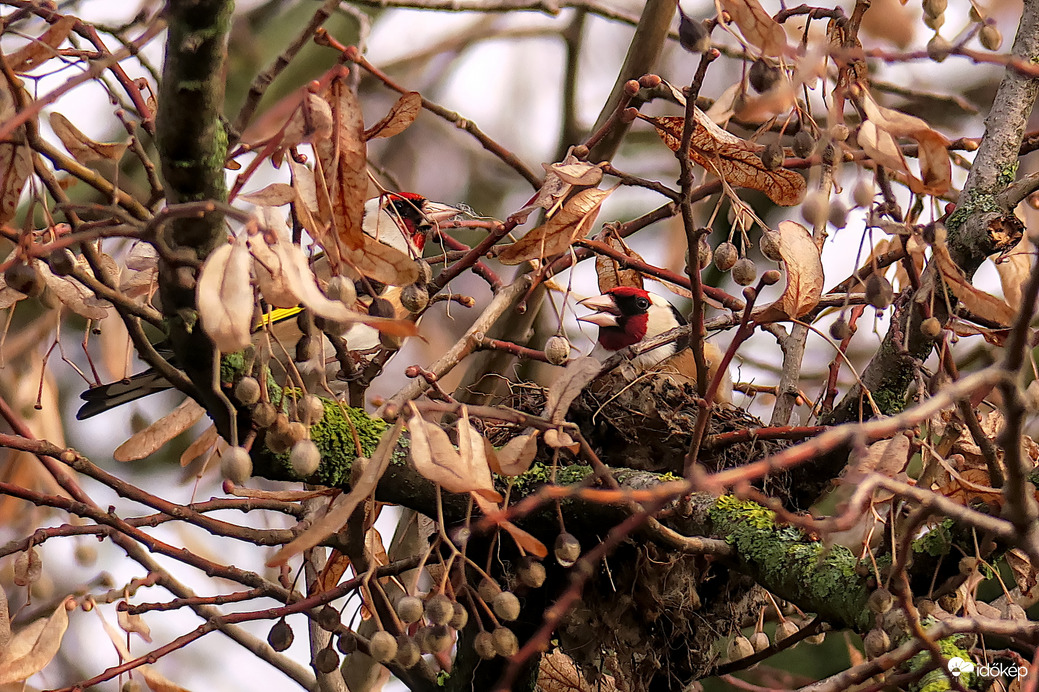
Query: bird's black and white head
[(626, 316), (402, 220)]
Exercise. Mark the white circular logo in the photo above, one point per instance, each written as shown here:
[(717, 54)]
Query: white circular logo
[(958, 666)]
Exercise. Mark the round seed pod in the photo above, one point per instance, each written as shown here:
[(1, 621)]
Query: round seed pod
[(739, 647), (876, 643), (567, 549), (310, 409), (557, 349), (760, 642), (772, 156), (951, 602), (862, 193), (938, 48), (488, 589), (762, 76), (131, 685), (236, 465), (414, 298), (85, 554), (439, 609), (931, 327), (247, 391), (280, 637), (425, 272), (304, 458), (264, 414), (786, 629), (990, 37), (460, 618), (744, 271), (838, 214), (933, 8), (25, 279), (840, 330), (409, 609), (770, 246), (296, 432), (483, 644), (61, 262), (692, 35), (382, 646), (704, 252), (934, 23), (839, 132), (506, 606), (530, 572), (725, 256), (804, 144), (894, 623), (815, 207), (771, 277), (408, 652), (347, 643), (328, 618), (380, 307), (326, 660), (438, 638), (878, 291), (342, 289), (880, 601), (505, 642)]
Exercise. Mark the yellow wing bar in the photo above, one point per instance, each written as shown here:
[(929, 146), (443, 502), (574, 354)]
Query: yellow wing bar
[(275, 316)]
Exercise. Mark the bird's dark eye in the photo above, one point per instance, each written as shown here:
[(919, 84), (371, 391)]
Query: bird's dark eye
[(642, 304)]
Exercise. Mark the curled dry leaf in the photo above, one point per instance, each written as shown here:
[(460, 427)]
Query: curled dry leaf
[(310, 122), (886, 457), (274, 195), (1013, 268), (560, 179), (203, 444), (516, 456), (134, 623), (15, 158), (343, 507), (32, 648), (804, 274), (977, 301), (757, 26), (82, 148), (72, 294), (557, 672), (436, 459), (225, 297), (1025, 574), (576, 172), (557, 234), (733, 159), (877, 136), (151, 439), (154, 679), (609, 271), (400, 117), (381, 262), (577, 374), (343, 159), (42, 48)]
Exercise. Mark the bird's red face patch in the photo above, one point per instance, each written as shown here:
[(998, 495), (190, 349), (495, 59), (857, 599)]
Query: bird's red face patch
[(632, 314), (406, 208)]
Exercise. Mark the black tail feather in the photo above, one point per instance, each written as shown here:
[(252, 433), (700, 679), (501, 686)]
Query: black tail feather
[(107, 396)]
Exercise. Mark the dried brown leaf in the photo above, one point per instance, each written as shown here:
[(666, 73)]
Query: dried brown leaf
[(200, 445), (343, 160), (72, 294), (42, 48), (557, 234), (400, 117), (274, 195), (516, 456), (135, 624), (343, 506), (609, 271), (579, 173), (381, 262), (757, 26), (82, 148), (1025, 575), (436, 459), (1013, 269), (32, 648), (977, 301), (733, 159), (558, 672), (151, 439), (886, 457), (804, 274), (225, 297), (311, 121), (577, 374), (15, 158), (523, 539)]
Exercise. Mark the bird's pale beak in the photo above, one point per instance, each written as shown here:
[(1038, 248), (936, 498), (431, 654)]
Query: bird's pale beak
[(437, 213), (605, 311)]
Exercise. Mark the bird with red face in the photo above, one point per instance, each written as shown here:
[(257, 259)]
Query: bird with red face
[(627, 316)]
